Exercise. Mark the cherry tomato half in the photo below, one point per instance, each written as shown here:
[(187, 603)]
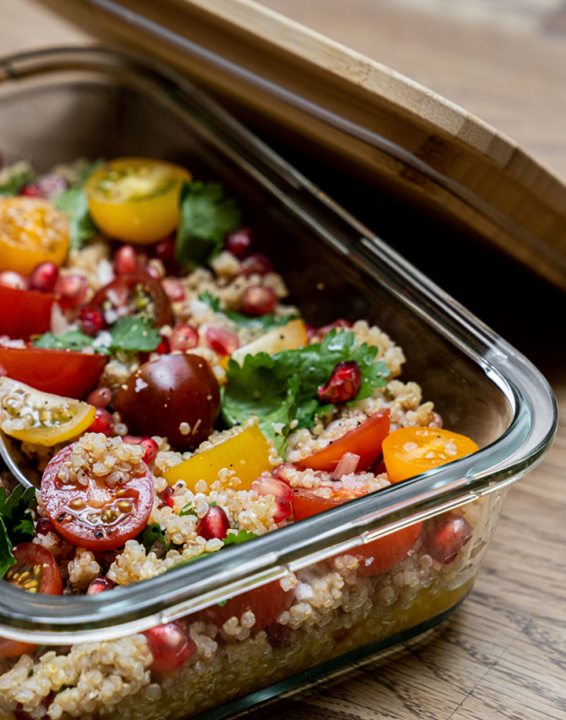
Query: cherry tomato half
[(267, 602), (24, 312), (136, 199), (364, 441), (61, 372), (35, 571), (32, 231), (133, 287), (413, 450), (96, 516), (375, 557)]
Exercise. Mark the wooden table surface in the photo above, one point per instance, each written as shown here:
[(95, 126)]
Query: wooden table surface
[(503, 653)]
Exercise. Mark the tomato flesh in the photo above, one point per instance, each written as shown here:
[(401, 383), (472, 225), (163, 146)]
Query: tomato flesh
[(24, 312), (136, 199), (135, 287), (35, 571), (375, 557), (61, 372), (365, 441), (410, 451), (96, 516), (267, 602)]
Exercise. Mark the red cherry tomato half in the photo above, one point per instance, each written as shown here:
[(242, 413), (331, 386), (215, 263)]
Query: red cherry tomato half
[(61, 372), (120, 291), (364, 441), (96, 516), (35, 570), (266, 602), (24, 312), (375, 557)]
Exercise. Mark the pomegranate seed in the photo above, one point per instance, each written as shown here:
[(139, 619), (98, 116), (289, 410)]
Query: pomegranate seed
[(162, 348), (73, 290), (214, 525), (45, 186), (257, 264), (343, 384), (183, 337), (99, 584), (268, 485), (283, 510), (284, 472), (378, 467), (103, 422), (239, 243), (100, 397), (164, 250), (257, 300), (168, 496), (444, 539), (221, 341), (9, 278), (174, 288), (341, 323), (44, 526), (92, 320), (151, 449), (125, 260), (170, 646), (44, 277)]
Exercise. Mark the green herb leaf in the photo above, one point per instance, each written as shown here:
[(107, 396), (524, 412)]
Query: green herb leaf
[(86, 171), (16, 183), (285, 385), (16, 514), (134, 333), (16, 523), (7, 558), (211, 300), (238, 538), (206, 217), (263, 322), (73, 203), (150, 535), (71, 340), (187, 510)]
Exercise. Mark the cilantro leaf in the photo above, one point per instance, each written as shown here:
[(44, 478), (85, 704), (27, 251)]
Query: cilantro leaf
[(286, 383), (73, 203), (70, 340), (187, 510), (238, 538), (206, 217), (211, 300), (262, 322), (127, 333), (86, 171), (16, 182), (150, 535), (7, 558), (134, 333), (16, 523)]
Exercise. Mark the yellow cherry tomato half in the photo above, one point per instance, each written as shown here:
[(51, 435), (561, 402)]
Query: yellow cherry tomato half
[(32, 231), (41, 418), (247, 454), (413, 450), (136, 199)]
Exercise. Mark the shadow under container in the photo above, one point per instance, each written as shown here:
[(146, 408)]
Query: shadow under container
[(90, 658)]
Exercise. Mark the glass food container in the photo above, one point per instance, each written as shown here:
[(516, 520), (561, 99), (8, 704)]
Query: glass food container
[(91, 658)]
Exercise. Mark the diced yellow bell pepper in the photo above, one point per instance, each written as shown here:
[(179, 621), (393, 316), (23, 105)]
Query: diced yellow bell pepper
[(247, 454), (288, 337)]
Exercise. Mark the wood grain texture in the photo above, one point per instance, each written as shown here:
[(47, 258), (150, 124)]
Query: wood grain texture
[(352, 108), (502, 656)]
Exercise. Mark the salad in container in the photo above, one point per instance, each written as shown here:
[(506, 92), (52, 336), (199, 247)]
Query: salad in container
[(248, 444)]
